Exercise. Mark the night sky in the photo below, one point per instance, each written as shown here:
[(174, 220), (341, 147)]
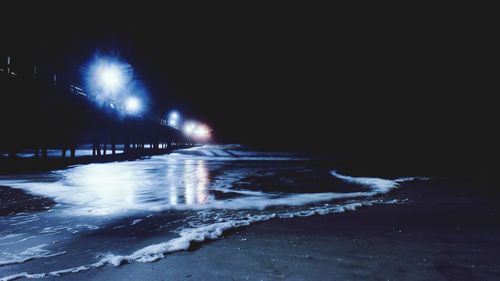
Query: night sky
[(399, 79)]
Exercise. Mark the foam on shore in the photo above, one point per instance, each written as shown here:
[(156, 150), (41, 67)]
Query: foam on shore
[(178, 182), (218, 223), (36, 252), (198, 234)]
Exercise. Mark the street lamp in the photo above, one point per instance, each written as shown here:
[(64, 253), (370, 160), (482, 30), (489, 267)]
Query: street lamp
[(110, 78), (173, 119), (174, 115), (189, 128), (132, 104), (197, 131), (202, 132)]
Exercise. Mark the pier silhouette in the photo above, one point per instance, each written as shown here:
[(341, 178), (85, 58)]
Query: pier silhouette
[(42, 112)]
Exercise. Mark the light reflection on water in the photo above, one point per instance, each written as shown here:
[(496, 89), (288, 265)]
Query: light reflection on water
[(203, 179), (112, 188), (193, 188), (99, 197), (178, 181), (173, 183)]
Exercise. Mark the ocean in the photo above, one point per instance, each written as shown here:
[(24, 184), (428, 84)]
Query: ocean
[(112, 214)]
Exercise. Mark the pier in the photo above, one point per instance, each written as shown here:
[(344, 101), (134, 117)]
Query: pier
[(43, 112)]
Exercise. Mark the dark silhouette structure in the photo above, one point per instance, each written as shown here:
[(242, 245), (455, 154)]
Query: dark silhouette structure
[(39, 112)]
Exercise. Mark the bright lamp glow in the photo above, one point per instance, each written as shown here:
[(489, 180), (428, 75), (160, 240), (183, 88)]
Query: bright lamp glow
[(173, 119), (172, 123), (197, 131), (107, 76), (110, 78), (202, 132), (132, 104), (174, 115), (189, 128)]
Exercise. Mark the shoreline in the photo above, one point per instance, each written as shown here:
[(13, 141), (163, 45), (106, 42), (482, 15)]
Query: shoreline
[(14, 201), (431, 237), (437, 229)]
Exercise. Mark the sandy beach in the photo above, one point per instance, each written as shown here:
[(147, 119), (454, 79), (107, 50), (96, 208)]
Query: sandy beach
[(445, 229), (14, 201), (222, 213), (280, 141)]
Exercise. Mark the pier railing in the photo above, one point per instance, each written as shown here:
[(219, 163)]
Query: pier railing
[(39, 114)]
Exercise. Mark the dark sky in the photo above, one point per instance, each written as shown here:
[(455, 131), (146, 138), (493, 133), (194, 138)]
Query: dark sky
[(303, 77)]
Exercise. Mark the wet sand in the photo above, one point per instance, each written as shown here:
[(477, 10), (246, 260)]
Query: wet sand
[(447, 230), (13, 201)]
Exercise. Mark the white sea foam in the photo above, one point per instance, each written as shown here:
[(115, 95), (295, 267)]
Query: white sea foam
[(116, 188), (24, 275), (377, 184), (18, 241), (230, 153), (198, 234), (10, 236), (212, 231), (36, 252), (119, 187), (25, 221), (411, 179), (136, 221), (300, 199)]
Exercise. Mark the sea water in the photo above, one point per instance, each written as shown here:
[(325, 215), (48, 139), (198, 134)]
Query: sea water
[(144, 210)]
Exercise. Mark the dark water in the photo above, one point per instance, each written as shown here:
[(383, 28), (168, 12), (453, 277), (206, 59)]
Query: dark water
[(140, 211)]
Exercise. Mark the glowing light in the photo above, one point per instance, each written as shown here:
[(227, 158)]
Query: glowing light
[(110, 78), (197, 131), (174, 115), (189, 128), (172, 123), (132, 104), (107, 75), (202, 132), (173, 119)]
